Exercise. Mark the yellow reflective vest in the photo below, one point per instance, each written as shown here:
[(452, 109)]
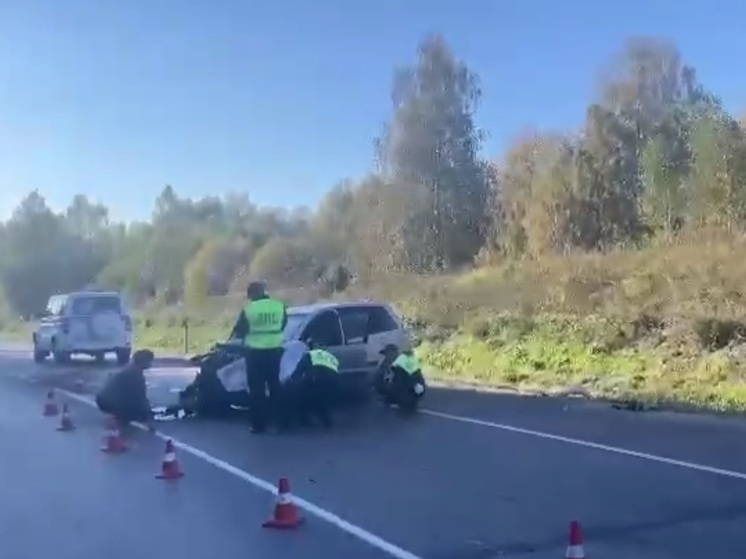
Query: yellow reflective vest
[(265, 318), (323, 358)]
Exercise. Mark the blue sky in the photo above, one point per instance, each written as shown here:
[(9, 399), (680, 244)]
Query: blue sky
[(116, 98)]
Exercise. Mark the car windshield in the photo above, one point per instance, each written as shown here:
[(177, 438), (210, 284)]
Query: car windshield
[(295, 323), (95, 304)]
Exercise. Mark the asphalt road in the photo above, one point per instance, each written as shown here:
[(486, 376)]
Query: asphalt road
[(478, 478)]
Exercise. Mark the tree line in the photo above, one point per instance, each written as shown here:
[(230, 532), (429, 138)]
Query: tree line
[(657, 153)]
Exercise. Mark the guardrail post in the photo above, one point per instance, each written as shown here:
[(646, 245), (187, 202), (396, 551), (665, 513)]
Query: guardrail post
[(185, 325)]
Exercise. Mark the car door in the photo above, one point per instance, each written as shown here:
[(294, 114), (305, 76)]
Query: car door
[(326, 329), (371, 325)]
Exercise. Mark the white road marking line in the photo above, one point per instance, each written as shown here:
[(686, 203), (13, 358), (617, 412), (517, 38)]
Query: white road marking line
[(309, 507), (588, 444)]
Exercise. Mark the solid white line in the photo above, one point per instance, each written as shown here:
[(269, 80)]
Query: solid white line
[(588, 444), (309, 507)]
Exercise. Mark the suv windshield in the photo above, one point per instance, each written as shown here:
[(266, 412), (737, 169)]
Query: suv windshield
[(295, 323), (95, 304)]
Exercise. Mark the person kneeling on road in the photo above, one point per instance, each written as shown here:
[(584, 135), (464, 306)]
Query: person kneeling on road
[(406, 384), (317, 377), (125, 396)]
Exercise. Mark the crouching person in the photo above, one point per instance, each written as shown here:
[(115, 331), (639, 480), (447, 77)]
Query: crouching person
[(406, 384), (124, 395), (317, 375)]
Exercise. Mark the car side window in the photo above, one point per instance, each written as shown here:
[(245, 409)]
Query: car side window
[(380, 320), (55, 306), (354, 323), (324, 329)]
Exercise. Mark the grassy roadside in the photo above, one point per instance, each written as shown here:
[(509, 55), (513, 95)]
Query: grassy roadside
[(662, 325)]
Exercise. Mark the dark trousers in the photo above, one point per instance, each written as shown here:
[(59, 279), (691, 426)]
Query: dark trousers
[(403, 393), (318, 395), (123, 412), (262, 375)]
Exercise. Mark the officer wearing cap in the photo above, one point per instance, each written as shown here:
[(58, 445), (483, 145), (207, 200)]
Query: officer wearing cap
[(260, 326), (125, 395)]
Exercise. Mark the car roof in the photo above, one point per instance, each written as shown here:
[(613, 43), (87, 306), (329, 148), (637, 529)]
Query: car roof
[(93, 294), (315, 307), (79, 294)]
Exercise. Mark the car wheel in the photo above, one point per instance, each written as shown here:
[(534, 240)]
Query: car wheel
[(355, 391), (123, 356), (39, 355), (364, 392), (61, 357)]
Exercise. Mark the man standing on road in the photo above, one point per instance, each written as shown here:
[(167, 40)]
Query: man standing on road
[(124, 395), (260, 326)]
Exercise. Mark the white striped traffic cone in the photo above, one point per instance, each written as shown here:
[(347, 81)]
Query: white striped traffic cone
[(170, 466), (285, 515)]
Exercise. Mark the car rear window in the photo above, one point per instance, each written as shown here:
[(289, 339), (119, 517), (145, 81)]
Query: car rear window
[(97, 304)]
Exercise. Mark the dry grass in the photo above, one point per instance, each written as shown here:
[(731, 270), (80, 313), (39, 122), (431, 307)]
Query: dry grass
[(664, 323)]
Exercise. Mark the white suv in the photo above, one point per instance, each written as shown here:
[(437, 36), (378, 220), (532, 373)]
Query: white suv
[(89, 322)]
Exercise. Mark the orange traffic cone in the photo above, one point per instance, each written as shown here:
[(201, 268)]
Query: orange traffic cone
[(575, 546), (50, 406), (285, 515), (66, 422), (113, 442), (170, 466)]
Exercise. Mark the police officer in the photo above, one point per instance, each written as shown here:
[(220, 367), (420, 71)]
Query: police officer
[(260, 325), (317, 372), (407, 383)]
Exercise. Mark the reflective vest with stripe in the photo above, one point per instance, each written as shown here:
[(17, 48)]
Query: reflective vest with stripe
[(323, 358), (265, 323)]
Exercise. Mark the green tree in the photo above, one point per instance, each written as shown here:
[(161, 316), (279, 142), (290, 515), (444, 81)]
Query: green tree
[(42, 256), (663, 200), (432, 141), (717, 182)]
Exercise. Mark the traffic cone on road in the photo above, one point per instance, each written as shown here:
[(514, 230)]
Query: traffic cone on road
[(170, 466), (113, 442), (285, 515), (50, 406), (575, 546), (66, 422)]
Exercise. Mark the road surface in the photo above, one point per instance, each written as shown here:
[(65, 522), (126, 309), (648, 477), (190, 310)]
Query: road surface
[(480, 476)]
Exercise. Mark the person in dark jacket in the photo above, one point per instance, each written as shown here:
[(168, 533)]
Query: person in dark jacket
[(260, 327), (124, 395)]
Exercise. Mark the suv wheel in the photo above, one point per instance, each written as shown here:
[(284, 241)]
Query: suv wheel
[(123, 356), (39, 355), (61, 357)]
